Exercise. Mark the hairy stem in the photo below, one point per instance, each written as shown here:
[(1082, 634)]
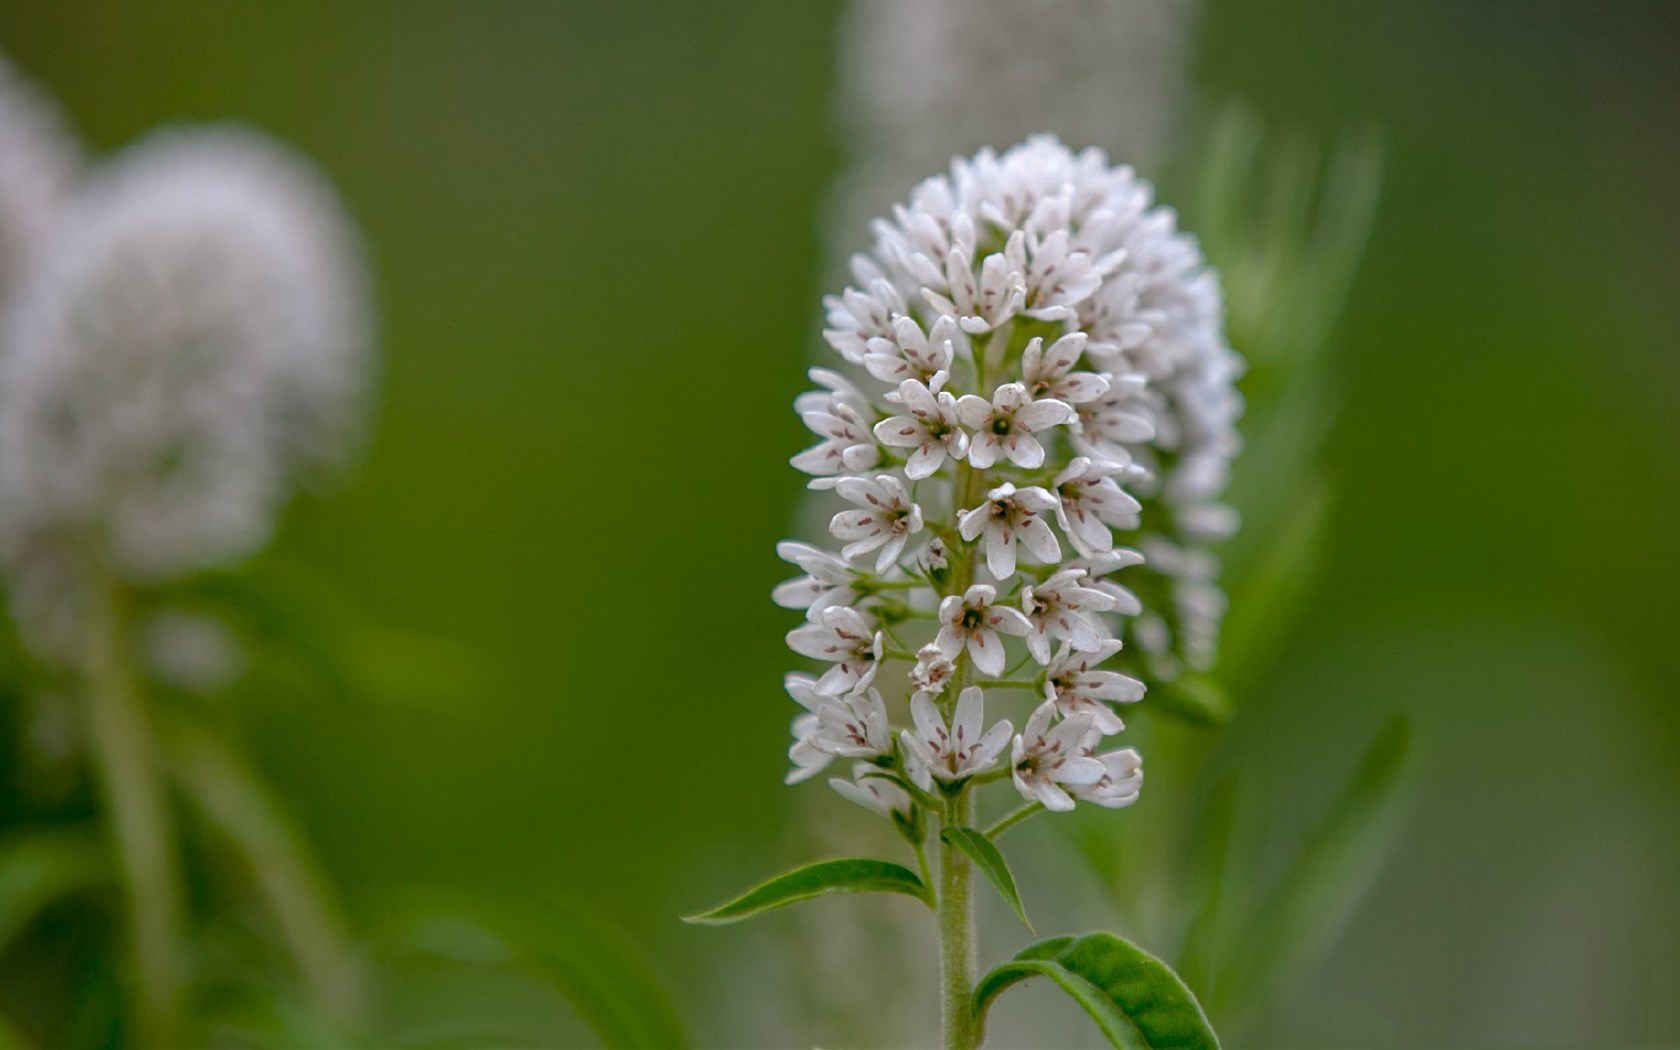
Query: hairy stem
[(959, 954), (137, 808)]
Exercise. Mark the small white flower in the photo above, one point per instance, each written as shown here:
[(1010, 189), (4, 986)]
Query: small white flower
[(1057, 278), (843, 637), (936, 558), (962, 750), (1009, 515), (973, 621), (853, 726), (847, 443), (1121, 419), (808, 760), (1090, 501), (978, 305), (932, 671), (1004, 426), (1120, 783), (854, 317), (1098, 565), (1049, 373), (838, 391), (828, 581), (1063, 608), (875, 793), (931, 428), (885, 519), (1044, 759), (1072, 684), (910, 354)]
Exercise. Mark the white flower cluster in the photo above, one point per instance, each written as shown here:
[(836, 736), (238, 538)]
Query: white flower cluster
[(186, 337), (38, 160), (1046, 376)]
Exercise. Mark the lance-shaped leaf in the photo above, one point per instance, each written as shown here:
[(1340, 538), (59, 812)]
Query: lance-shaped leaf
[(1302, 917), (1268, 597), (1135, 999), (989, 860), (1202, 939), (846, 875)]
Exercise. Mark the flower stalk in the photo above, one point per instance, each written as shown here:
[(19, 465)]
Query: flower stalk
[(959, 949), (124, 753)]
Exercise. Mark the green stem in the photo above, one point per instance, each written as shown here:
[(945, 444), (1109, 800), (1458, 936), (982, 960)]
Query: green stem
[(1014, 817), (141, 829), (959, 956), (235, 801)]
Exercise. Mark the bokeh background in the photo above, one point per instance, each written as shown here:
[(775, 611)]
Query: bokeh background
[(596, 235)]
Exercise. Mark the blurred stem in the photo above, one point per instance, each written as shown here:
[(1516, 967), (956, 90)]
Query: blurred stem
[(234, 800), (126, 760), (959, 955)]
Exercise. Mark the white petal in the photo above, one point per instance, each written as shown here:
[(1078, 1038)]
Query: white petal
[(1044, 413), (1038, 538), (974, 411), (986, 649), (1000, 551)]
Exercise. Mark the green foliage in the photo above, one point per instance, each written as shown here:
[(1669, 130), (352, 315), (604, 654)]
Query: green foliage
[(458, 976), (1213, 834), (1195, 698), (1302, 916), (38, 868), (991, 864), (1134, 998), (846, 875), (1268, 594)]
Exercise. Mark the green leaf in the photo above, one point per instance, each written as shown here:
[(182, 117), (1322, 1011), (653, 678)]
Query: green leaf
[(233, 800), (1135, 999), (41, 867), (1194, 698), (1213, 836), (989, 860), (846, 875), (1302, 917), (1267, 598), (464, 972)]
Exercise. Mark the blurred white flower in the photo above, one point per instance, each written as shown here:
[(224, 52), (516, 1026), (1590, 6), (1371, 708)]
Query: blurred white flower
[(39, 159), (192, 651), (190, 338)]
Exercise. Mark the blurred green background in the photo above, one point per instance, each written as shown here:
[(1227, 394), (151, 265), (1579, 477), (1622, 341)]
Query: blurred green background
[(594, 229)]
